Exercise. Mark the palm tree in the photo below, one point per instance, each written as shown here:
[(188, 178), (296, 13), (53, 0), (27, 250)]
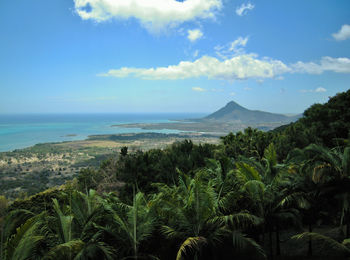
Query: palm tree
[(24, 243), (191, 214), (131, 225), (62, 235), (331, 169), (265, 184), (73, 230)]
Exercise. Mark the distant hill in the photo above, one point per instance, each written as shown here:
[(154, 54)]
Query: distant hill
[(233, 112)]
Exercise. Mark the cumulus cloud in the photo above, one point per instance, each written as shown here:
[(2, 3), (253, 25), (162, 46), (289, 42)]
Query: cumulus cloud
[(343, 34), (338, 65), (153, 14), (233, 64), (235, 68), (233, 48), (244, 8), (198, 89), (194, 35), (317, 90)]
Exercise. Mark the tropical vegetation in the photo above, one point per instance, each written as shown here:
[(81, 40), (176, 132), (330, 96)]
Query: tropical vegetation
[(257, 195)]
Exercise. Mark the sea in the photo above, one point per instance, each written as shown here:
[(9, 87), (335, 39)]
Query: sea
[(21, 131)]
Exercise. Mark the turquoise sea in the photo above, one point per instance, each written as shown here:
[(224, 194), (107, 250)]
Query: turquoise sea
[(20, 131)]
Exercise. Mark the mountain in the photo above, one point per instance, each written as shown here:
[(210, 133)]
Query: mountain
[(234, 112)]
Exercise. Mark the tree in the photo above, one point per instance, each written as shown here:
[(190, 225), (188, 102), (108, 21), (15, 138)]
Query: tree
[(191, 215), (130, 225), (264, 185)]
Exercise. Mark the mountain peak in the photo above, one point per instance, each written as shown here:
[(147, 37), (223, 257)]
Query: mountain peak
[(234, 106), (233, 112)]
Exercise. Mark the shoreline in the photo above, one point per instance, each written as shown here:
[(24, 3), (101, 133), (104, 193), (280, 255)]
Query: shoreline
[(130, 136), (51, 164)]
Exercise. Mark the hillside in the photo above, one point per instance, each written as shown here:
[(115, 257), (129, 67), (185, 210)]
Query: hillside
[(235, 112)]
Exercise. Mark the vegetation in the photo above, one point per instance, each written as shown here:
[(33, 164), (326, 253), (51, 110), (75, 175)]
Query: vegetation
[(25, 172), (256, 195)]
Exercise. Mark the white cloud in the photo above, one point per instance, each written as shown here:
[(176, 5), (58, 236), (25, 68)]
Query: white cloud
[(199, 89), (236, 68), (233, 64), (239, 42), (232, 94), (343, 34), (194, 35), (233, 48), (317, 90), (153, 14), (320, 89), (244, 8), (338, 65)]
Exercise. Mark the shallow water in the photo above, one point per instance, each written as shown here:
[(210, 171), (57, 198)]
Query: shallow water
[(20, 131)]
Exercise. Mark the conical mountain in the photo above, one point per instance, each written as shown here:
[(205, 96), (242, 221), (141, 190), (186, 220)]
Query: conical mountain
[(234, 112)]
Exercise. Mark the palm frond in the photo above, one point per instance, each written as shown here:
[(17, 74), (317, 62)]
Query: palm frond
[(244, 243), (171, 232), (66, 250), (190, 244), (96, 249), (327, 241), (14, 219), (23, 244), (241, 220), (64, 228)]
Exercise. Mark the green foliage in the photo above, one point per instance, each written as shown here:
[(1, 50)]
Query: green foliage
[(330, 121), (144, 168), (201, 201), (88, 179), (250, 143)]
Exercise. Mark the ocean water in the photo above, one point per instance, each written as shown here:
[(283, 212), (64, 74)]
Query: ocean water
[(20, 131)]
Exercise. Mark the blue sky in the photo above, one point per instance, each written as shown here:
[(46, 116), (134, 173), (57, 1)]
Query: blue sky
[(83, 56)]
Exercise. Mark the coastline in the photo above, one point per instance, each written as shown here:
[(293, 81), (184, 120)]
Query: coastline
[(44, 165)]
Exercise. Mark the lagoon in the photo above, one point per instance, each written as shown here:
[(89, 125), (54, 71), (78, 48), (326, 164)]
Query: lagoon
[(20, 131)]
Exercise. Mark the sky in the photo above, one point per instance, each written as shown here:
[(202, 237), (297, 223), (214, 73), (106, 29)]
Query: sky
[(147, 56)]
